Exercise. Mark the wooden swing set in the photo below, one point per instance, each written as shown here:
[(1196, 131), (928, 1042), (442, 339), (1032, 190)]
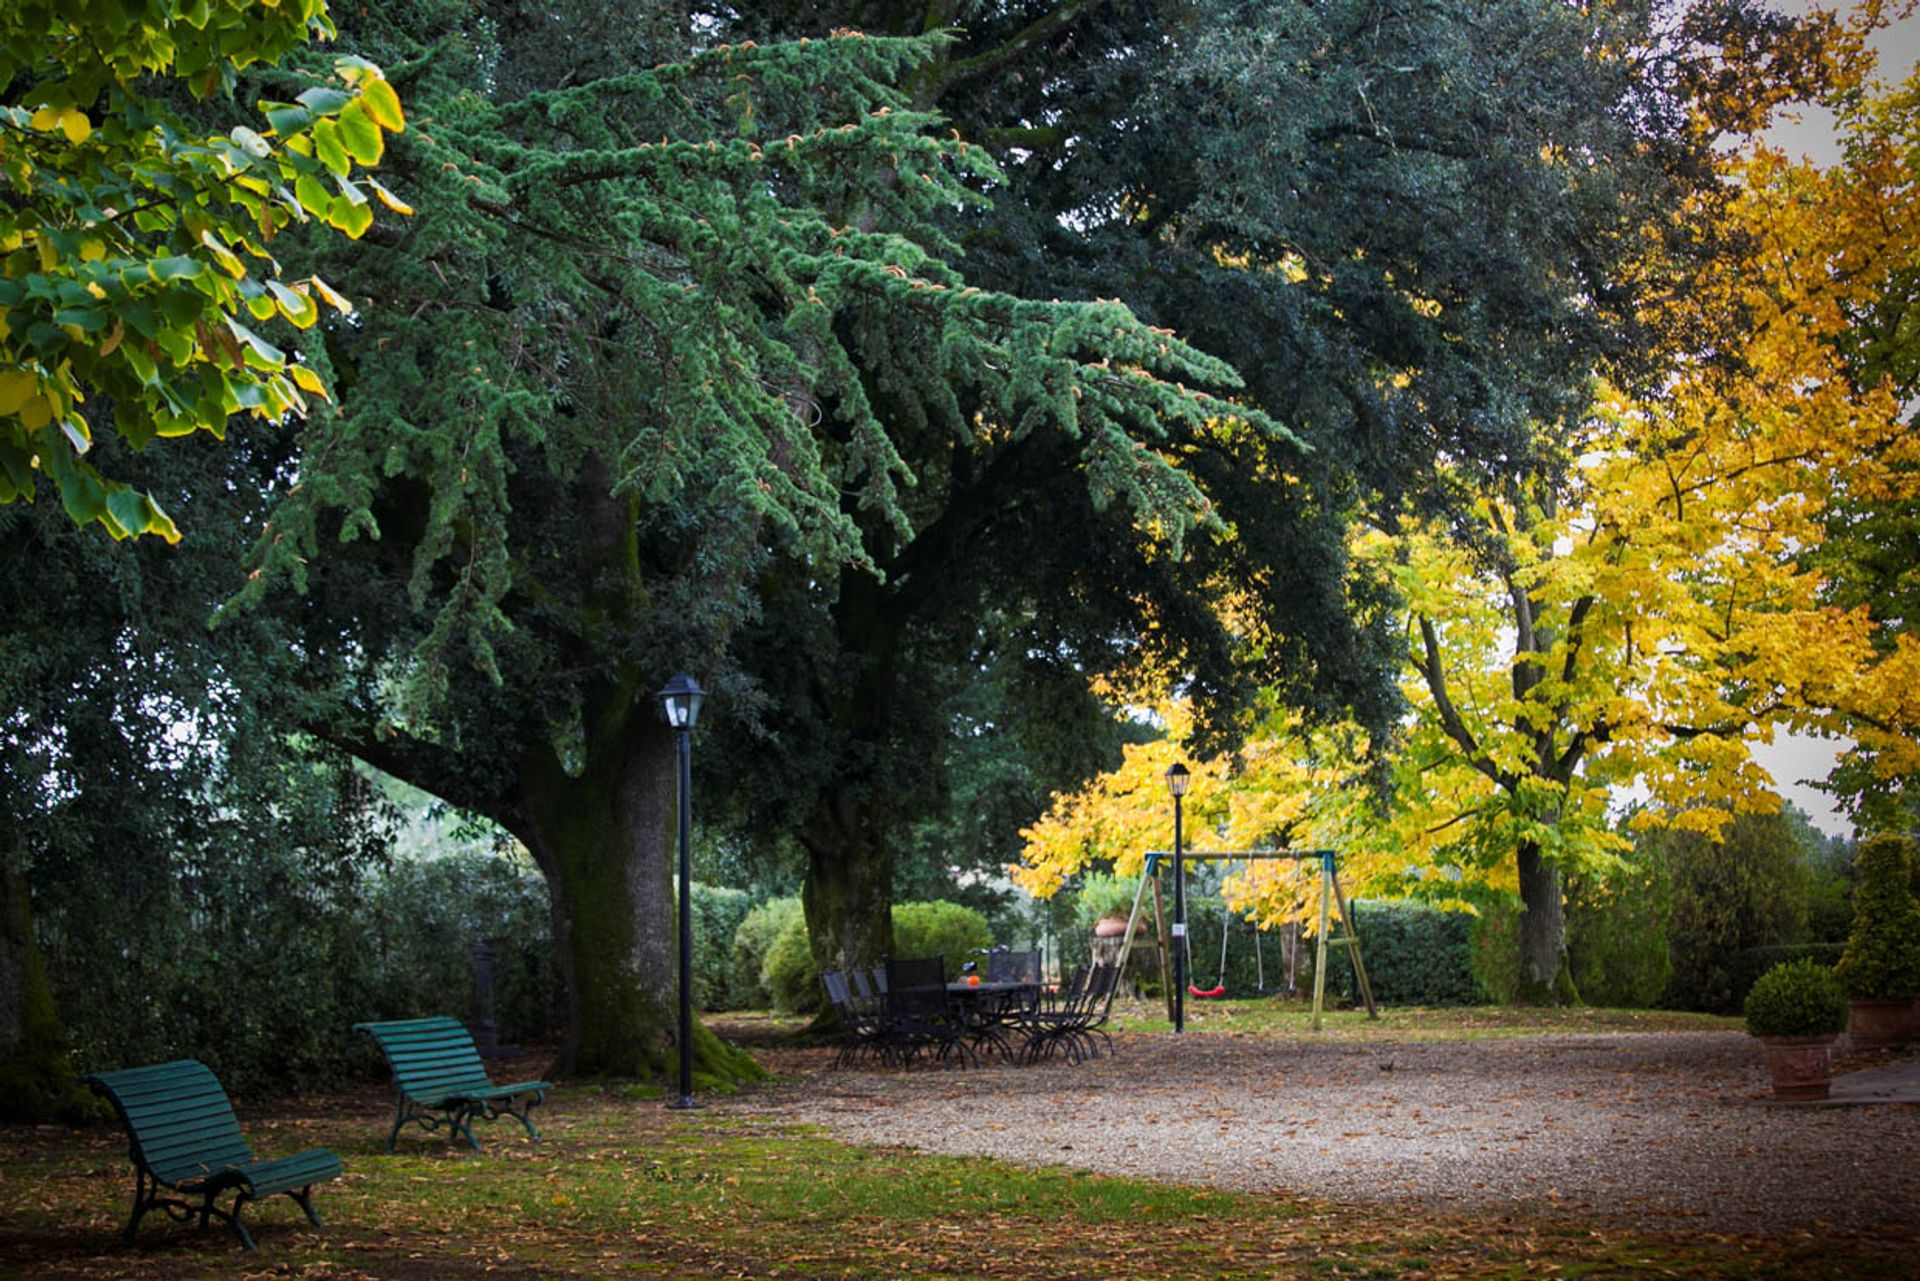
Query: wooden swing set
[(1331, 896)]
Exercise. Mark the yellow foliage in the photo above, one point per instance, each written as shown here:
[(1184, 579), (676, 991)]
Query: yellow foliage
[(1643, 623)]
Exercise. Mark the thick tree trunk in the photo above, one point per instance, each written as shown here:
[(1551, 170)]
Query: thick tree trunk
[(37, 1082), (848, 894), (1544, 977), (606, 842)]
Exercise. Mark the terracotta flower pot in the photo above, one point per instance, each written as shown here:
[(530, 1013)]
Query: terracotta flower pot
[(1801, 1066), (1879, 1025), (1112, 927)]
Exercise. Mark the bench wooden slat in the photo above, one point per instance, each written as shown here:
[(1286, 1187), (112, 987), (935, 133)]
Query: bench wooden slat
[(437, 1069), (184, 1137)]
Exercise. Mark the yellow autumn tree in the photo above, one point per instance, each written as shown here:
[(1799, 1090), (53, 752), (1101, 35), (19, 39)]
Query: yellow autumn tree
[(1642, 620)]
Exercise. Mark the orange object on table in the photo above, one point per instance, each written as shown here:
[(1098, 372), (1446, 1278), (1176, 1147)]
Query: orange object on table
[(973, 980)]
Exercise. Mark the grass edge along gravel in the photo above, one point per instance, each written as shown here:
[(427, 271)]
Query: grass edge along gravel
[(620, 1188)]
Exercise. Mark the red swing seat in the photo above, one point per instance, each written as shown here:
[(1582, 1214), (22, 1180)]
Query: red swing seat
[(1217, 990)]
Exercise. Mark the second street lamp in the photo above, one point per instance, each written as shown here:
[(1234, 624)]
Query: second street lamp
[(681, 699), (1178, 780)]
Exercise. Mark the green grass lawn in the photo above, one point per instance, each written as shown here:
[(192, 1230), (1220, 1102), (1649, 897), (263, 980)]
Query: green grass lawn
[(1288, 1019), (624, 1187)]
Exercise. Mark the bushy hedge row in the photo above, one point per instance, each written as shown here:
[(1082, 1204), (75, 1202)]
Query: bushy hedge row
[(1415, 955), (717, 913), (776, 932), (261, 967), (1751, 963), (753, 941)]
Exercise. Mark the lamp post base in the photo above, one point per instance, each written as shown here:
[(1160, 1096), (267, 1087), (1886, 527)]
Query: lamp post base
[(685, 1103)]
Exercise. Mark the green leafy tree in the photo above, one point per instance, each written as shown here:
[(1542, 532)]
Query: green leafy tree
[(1747, 890), (1414, 231), (1882, 960), (137, 250), (152, 815), (662, 339)]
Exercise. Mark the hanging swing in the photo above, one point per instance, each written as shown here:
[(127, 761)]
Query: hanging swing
[(1219, 987)]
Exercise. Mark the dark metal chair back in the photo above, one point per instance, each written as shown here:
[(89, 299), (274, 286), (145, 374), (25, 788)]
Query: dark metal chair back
[(1013, 967), (916, 971), (862, 986), (836, 984)]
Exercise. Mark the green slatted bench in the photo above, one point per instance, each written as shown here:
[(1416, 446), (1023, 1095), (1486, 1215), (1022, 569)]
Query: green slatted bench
[(184, 1138), (440, 1080)]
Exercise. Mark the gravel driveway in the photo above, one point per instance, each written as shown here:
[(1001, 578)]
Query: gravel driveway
[(1662, 1130)]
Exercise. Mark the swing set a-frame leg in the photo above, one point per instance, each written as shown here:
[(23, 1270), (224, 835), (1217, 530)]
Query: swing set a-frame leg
[(1353, 942), (1320, 942), (1331, 895)]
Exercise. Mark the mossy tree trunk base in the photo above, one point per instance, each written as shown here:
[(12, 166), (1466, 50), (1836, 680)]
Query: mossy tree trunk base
[(848, 895), (605, 842)]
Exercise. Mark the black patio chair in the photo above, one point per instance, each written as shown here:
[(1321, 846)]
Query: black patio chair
[(863, 1024), (1071, 1021), (1013, 967), (921, 1018)]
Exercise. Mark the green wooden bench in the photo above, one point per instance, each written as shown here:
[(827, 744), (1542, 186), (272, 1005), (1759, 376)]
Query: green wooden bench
[(440, 1080), (184, 1138)]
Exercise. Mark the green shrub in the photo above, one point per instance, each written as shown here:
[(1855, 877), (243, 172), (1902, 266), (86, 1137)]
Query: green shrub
[(1882, 959), (717, 913), (425, 916), (1493, 948), (149, 977), (1617, 934), (747, 959), (1750, 964), (1415, 955), (1101, 895), (789, 975), (792, 980), (940, 929), (1796, 998)]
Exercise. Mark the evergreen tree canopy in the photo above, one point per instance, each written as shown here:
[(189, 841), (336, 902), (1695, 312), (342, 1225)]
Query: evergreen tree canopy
[(656, 345)]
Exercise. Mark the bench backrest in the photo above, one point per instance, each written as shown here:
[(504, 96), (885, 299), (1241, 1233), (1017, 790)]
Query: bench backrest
[(432, 1058), (177, 1116)]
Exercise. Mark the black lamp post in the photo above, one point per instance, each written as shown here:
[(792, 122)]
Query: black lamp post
[(681, 699), (1178, 780)]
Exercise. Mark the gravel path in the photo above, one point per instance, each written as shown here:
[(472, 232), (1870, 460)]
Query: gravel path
[(1662, 1130)]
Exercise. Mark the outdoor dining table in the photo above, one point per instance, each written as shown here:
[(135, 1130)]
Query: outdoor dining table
[(989, 1008)]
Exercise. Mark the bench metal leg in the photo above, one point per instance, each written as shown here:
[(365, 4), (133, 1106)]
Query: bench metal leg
[(399, 1120), (304, 1199), (144, 1199), (233, 1219)]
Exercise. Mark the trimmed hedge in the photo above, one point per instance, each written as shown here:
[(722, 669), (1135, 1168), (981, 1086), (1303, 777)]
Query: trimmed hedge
[(717, 913), (155, 980), (753, 940), (792, 980), (1796, 998), (1415, 955)]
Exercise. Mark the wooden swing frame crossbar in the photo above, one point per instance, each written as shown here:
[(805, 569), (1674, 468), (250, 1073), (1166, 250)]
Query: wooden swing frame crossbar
[(1331, 896)]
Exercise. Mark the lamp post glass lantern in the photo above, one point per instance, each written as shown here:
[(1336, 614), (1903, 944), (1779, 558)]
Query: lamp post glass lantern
[(1178, 781), (681, 700)]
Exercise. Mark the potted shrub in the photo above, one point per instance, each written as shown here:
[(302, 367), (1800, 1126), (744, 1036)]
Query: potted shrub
[(1796, 1009), (1105, 903), (1880, 969)]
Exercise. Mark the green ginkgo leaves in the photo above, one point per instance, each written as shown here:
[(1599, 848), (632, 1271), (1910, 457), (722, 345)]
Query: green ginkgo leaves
[(136, 256)]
